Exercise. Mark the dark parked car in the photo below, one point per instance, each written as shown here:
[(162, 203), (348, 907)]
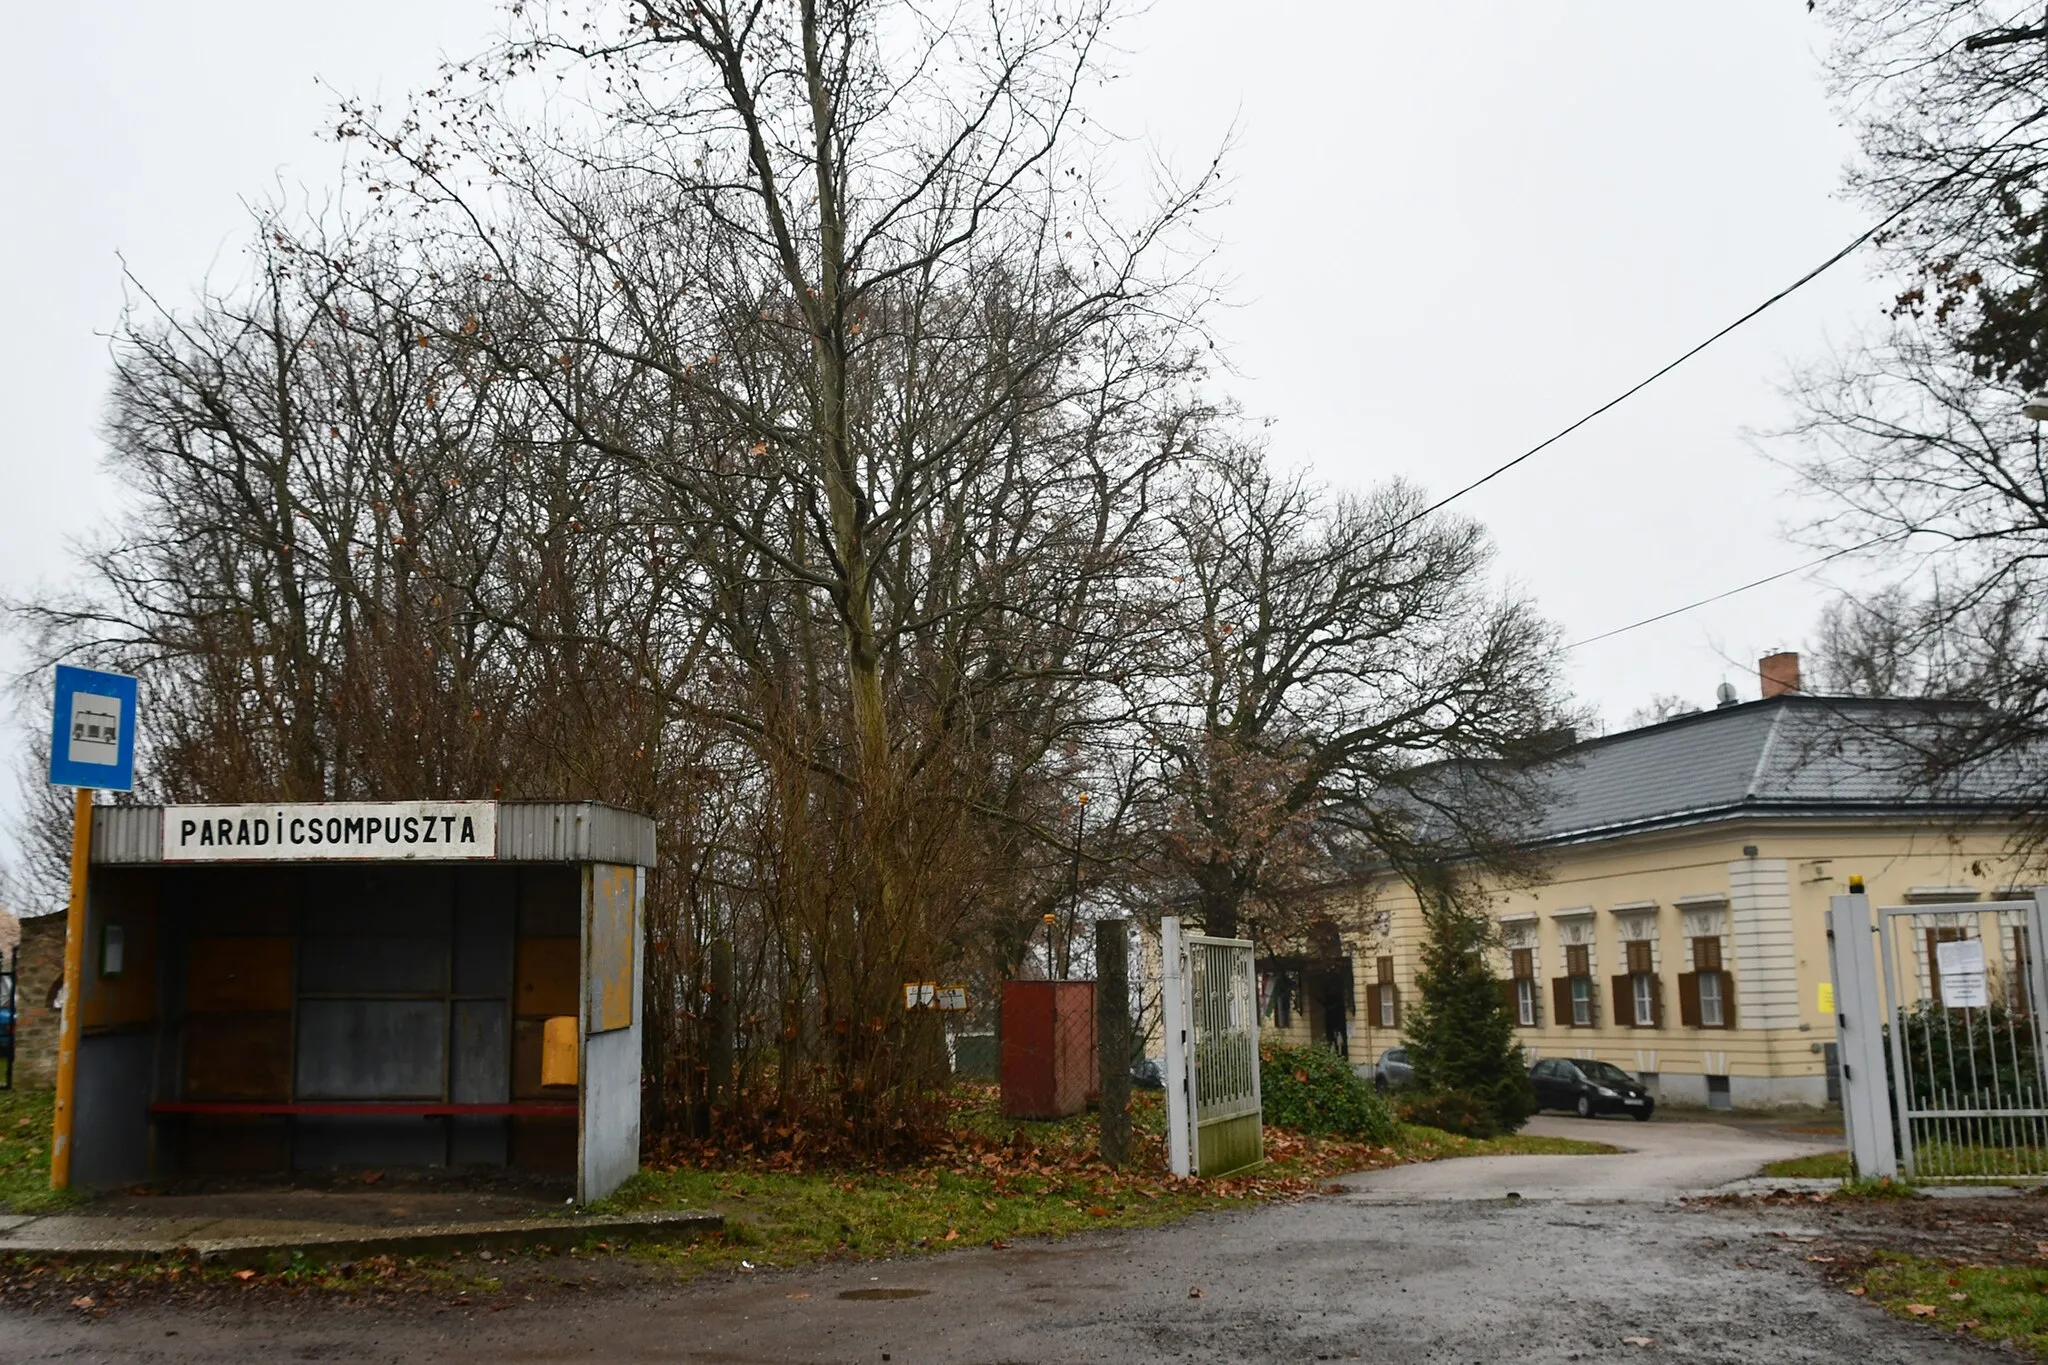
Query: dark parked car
[(1392, 1071), (1588, 1088), (1148, 1073)]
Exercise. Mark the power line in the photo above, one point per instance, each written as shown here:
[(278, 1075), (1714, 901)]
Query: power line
[(1782, 573), (1836, 259)]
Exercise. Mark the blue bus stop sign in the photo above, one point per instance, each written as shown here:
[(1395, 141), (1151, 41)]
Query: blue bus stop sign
[(92, 736)]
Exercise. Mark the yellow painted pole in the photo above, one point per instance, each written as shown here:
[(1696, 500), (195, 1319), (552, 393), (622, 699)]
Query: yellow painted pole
[(74, 993)]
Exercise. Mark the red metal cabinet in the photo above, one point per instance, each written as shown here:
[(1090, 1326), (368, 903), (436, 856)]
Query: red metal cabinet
[(1049, 1067)]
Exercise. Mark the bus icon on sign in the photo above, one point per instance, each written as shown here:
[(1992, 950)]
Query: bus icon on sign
[(95, 729), (92, 729)]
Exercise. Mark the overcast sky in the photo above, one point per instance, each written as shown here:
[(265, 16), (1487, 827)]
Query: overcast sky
[(1448, 237)]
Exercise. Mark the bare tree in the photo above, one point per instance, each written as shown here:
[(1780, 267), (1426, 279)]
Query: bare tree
[(1352, 689), (1916, 438)]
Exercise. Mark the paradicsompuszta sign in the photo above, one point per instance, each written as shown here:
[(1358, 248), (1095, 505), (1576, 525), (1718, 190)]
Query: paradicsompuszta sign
[(417, 831)]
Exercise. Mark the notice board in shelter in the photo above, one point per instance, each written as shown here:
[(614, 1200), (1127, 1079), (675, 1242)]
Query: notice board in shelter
[(609, 947)]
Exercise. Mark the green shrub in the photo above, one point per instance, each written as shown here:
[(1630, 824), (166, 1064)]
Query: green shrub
[(1452, 1111), (1312, 1090)]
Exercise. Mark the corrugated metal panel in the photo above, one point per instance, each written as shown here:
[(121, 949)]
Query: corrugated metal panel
[(573, 832), (528, 832), (127, 834)]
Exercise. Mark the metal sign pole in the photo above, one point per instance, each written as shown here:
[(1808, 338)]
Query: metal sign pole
[(92, 746), (1173, 1003), (74, 994)]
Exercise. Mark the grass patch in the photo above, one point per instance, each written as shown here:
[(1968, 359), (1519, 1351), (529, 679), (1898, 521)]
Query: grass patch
[(1995, 1303), (1819, 1166), (25, 1117)]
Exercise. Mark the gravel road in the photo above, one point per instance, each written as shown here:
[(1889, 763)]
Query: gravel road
[(1377, 1275)]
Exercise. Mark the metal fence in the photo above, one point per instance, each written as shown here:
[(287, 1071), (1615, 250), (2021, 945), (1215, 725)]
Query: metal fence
[(1964, 1012)]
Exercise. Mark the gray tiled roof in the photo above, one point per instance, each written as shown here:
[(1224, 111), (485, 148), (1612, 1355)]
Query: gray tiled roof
[(1786, 756)]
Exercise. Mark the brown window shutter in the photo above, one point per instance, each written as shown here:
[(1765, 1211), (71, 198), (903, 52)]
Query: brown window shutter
[(1727, 1001), (1561, 1000), (1624, 1001), (1638, 957), (1372, 1005), (1689, 999), (1656, 1002), (2021, 993), (1935, 936), (1386, 971), (1578, 960), (1508, 1003), (1706, 954), (1525, 961)]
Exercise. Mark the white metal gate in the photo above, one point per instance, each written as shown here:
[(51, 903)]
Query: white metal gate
[(1946, 1026), (1211, 1002)]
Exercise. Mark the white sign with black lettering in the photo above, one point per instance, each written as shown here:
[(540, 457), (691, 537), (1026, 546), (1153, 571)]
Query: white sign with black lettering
[(356, 831), (1961, 964)]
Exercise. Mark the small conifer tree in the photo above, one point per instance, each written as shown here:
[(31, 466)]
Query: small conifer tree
[(1460, 1036)]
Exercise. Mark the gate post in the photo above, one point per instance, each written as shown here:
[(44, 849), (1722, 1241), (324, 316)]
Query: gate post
[(1859, 1025), (1113, 1036), (1173, 1028)]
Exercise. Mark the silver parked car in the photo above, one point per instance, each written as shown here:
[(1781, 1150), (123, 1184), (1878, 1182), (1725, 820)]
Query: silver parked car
[(1393, 1070)]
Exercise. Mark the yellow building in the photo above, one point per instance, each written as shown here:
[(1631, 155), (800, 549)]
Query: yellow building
[(1679, 929)]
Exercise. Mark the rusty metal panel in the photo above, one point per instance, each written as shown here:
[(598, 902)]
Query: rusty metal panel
[(480, 1070), (608, 988), (545, 977), (573, 832), (371, 1049), (486, 913)]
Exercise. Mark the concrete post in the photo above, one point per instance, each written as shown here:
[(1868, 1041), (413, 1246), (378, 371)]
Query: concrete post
[(1113, 1036), (1859, 1025)]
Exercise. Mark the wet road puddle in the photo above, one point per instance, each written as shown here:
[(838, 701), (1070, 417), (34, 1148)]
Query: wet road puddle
[(870, 1295)]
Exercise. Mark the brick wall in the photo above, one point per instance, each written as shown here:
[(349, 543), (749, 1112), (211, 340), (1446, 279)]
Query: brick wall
[(36, 1020)]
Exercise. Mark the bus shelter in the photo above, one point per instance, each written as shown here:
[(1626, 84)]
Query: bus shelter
[(268, 989)]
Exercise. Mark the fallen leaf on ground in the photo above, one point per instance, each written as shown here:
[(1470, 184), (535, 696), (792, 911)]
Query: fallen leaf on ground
[(1824, 1260), (800, 1294), (82, 1301), (952, 1235), (245, 1274), (1639, 1341), (1196, 1294), (1921, 1310), (1857, 1290), (372, 1177)]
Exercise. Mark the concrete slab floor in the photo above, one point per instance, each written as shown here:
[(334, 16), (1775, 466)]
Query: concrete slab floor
[(254, 1241)]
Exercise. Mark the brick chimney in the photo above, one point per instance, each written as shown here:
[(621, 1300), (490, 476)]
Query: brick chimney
[(1780, 674)]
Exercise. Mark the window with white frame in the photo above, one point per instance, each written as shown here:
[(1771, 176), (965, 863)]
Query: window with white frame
[(1711, 1015)]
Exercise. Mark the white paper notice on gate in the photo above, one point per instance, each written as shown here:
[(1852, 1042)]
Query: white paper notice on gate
[(1961, 965)]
